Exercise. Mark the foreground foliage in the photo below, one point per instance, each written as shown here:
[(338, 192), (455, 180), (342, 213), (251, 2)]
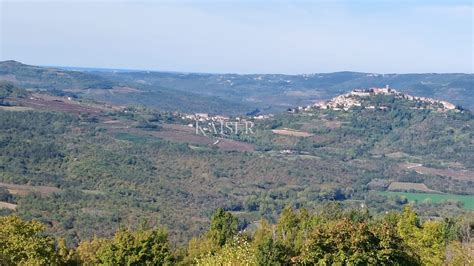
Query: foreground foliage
[(338, 237)]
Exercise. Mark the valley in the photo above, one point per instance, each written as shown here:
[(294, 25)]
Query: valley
[(104, 164)]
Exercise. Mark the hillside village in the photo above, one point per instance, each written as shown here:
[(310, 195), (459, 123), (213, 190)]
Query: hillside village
[(355, 99)]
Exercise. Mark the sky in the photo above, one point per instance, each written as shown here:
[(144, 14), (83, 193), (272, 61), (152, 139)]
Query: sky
[(289, 37)]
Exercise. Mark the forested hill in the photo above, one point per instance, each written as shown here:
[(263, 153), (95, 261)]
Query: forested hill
[(228, 93)]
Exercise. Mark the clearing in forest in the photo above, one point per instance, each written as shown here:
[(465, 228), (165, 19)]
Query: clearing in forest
[(408, 186), (291, 132)]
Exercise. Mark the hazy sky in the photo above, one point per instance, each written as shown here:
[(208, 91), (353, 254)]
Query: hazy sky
[(242, 36)]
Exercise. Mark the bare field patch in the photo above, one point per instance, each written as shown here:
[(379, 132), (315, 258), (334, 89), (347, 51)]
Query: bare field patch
[(410, 165), (125, 90), (15, 108), (455, 174), (465, 175), (397, 155), (178, 127), (408, 186), (233, 145), (6, 205), (43, 102), (291, 132), (23, 190)]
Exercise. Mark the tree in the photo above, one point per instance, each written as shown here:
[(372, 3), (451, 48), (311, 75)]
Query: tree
[(392, 250), (348, 242), (287, 227), (428, 239), (143, 247), (237, 251), (223, 227), (270, 252), (24, 243), (87, 250), (199, 247), (264, 230)]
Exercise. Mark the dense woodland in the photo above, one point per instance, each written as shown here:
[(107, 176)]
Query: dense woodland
[(332, 236)]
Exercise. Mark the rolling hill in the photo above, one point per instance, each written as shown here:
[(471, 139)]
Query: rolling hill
[(228, 93)]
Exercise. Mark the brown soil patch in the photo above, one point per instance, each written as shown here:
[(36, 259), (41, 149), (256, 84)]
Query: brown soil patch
[(115, 122), (6, 205), (233, 145), (291, 132), (465, 175), (15, 108), (397, 155), (23, 190), (181, 136), (44, 102), (117, 89), (408, 186)]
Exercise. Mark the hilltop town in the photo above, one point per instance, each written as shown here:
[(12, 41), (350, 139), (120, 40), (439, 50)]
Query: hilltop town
[(357, 97)]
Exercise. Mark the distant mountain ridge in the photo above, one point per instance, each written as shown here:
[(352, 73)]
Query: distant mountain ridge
[(229, 93)]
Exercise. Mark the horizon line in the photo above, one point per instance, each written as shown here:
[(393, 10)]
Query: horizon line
[(111, 69)]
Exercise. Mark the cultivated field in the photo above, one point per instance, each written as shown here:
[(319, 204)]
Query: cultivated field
[(233, 145), (113, 90), (15, 108), (47, 102), (408, 186), (178, 133), (467, 200), (465, 175)]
